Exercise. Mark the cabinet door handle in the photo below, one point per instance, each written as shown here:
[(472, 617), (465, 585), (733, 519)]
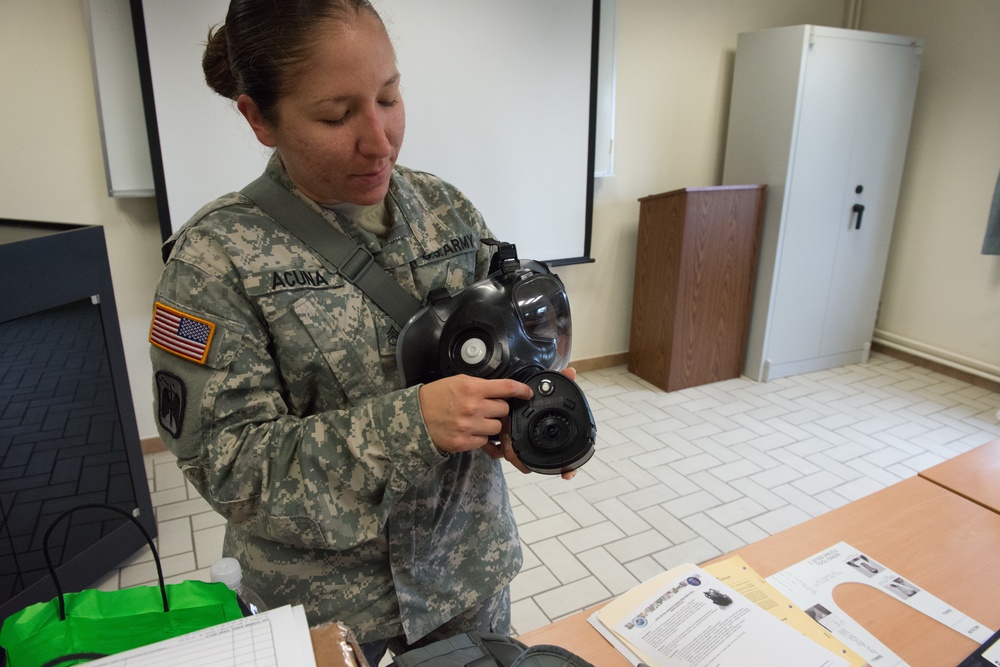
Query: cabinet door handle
[(860, 210)]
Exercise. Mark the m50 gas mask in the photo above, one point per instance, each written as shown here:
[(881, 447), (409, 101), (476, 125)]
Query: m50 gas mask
[(515, 323)]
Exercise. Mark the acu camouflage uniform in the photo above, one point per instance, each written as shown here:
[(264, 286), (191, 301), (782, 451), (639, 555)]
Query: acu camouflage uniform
[(294, 427)]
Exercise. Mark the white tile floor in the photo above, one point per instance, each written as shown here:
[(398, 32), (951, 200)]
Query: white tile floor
[(677, 477)]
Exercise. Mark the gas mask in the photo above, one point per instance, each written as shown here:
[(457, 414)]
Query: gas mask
[(515, 323)]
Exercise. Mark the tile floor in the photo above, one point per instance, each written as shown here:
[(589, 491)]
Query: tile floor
[(677, 477)]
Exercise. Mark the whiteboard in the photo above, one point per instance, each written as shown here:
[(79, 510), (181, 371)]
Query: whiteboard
[(499, 101), (127, 164), (604, 129)]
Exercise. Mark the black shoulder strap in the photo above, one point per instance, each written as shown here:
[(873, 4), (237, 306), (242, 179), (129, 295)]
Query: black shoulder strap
[(481, 649), (353, 262), (469, 649)]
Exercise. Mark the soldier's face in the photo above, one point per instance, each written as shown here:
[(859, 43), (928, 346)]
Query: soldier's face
[(341, 123)]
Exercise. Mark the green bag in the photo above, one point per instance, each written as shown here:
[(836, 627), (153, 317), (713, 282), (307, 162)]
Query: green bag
[(77, 627)]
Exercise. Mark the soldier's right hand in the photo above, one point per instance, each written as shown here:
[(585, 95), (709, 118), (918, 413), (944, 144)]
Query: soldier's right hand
[(464, 412)]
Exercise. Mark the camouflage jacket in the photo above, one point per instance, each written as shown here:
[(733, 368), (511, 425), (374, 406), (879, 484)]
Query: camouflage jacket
[(276, 387)]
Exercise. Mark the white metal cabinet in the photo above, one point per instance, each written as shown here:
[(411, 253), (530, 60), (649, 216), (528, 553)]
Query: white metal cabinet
[(821, 115)]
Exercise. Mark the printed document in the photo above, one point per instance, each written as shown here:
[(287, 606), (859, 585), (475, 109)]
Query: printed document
[(275, 638), (686, 617), (738, 575), (810, 584)]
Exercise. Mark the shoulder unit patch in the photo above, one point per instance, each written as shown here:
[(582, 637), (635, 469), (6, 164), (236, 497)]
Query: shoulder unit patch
[(171, 400), (179, 333)]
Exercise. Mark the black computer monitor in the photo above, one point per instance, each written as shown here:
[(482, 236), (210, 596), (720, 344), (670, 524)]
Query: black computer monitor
[(68, 432)]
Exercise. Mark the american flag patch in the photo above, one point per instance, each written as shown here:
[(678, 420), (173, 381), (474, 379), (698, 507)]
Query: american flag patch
[(185, 335)]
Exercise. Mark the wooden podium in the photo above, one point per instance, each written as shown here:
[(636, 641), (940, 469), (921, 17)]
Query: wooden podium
[(694, 274)]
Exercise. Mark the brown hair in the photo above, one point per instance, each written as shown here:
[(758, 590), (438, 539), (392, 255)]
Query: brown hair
[(262, 42)]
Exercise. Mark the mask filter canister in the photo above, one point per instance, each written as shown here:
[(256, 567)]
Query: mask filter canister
[(554, 432)]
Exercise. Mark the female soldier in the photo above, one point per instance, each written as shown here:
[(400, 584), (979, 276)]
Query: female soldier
[(276, 379)]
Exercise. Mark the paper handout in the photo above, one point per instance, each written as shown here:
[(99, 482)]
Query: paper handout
[(810, 584), (735, 573), (275, 638), (686, 617)]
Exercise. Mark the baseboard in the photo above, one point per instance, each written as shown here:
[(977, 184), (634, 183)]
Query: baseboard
[(597, 363), (152, 445), (952, 370), (980, 377)]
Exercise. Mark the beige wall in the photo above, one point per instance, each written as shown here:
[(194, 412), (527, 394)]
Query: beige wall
[(674, 61), (674, 64), (941, 297), (52, 167)]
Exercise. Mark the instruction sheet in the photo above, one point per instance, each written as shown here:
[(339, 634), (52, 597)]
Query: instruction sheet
[(686, 617), (810, 583)]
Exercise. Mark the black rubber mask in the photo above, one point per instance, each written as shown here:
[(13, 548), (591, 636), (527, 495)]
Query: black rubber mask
[(515, 323), (512, 324)]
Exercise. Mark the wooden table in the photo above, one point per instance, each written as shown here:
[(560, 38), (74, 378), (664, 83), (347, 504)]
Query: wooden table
[(935, 538), (974, 475)]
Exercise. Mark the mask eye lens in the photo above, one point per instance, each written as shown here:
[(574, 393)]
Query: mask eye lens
[(539, 319), (544, 311), (537, 303)]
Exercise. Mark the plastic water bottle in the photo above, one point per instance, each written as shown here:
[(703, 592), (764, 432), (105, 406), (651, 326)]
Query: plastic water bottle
[(229, 572)]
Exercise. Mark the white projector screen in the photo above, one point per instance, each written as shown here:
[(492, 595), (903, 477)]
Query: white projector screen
[(499, 101)]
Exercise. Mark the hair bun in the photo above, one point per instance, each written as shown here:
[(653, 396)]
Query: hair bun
[(215, 64)]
